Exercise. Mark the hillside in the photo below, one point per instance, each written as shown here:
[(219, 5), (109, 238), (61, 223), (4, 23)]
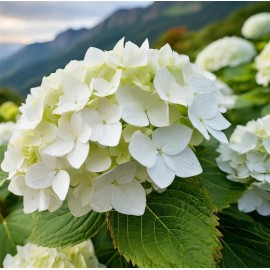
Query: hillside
[(26, 68), (192, 42)]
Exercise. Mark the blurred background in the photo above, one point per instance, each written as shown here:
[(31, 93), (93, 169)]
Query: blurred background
[(36, 38)]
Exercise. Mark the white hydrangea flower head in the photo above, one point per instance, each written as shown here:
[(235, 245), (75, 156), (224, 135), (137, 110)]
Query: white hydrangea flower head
[(247, 158), (257, 199), (225, 52), (262, 63), (94, 132), (256, 26), (6, 130), (33, 256)]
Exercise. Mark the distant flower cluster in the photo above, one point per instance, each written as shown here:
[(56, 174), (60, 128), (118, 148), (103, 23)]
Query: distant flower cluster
[(33, 256), (225, 52), (256, 26), (262, 63), (104, 131), (6, 130), (247, 158)]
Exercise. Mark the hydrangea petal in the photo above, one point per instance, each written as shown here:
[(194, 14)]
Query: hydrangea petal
[(75, 206), (60, 184), (143, 149), (173, 139), (17, 185), (78, 155), (30, 201), (39, 176), (185, 164), (161, 174), (58, 147), (99, 160), (101, 199), (129, 199)]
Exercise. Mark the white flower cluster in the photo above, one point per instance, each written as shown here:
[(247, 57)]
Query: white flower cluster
[(101, 131), (33, 256), (225, 52), (262, 63), (256, 26), (224, 93), (6, 130), (247, 158)]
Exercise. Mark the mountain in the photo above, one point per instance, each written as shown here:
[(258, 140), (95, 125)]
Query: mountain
[(7, 49), (26, 68)]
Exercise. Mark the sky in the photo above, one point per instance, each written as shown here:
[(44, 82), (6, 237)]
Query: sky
[(27, 22)]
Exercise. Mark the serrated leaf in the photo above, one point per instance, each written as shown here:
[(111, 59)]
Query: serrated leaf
[(105, 251), (178, 229), (246, 242), (14, 230), (61, 228), (222, 191)]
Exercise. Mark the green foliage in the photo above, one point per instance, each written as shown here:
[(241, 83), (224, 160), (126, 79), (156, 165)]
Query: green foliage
[(61, 228), (105, 251), (246, 242), (222, 191), (8, 95), (14, 230), (266, 110), (178, 229), (8, 111)]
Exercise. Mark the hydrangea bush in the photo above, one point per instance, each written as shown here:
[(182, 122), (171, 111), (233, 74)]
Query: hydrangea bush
[(246, 159), (128, 132), (99, 130)]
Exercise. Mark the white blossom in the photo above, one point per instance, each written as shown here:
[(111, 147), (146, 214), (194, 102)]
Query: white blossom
[(166, 155), (104, 122), (262, 63), (255, 199), (141, 107), (205, 117), (247, 158), (81, 130), (256, 26), (6, 130), (120, 190), (225, 52), (33, 256), (73, 141)]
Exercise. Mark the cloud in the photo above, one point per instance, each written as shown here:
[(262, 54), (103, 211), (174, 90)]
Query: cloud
[(27, 22), (62, 10)]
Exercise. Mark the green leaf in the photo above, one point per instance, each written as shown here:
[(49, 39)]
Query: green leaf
[(222, 191), (61, 228), (266, 110), (256, 97), (178, 229), (105, 251), (4, 192), (246, 242), (14, 230)]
